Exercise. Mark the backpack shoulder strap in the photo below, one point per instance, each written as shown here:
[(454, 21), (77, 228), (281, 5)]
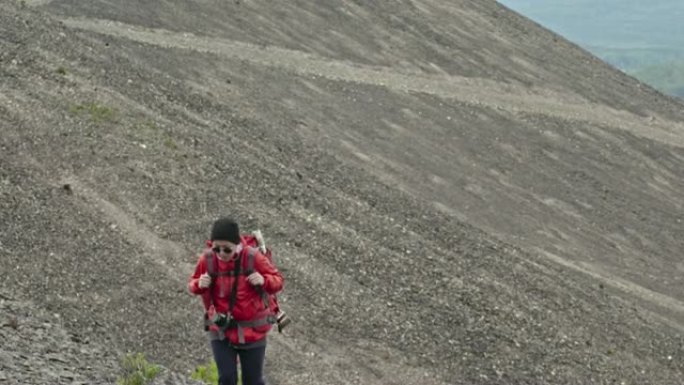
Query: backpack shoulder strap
[(251, 255), (211, 262), (210, 259)]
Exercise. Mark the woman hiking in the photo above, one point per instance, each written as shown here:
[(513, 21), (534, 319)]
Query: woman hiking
[(236, 282)]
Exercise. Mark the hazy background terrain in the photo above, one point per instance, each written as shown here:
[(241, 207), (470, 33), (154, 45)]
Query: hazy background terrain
[(642, 38)]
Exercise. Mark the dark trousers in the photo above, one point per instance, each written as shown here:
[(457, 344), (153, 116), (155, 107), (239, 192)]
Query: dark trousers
[(251, 362)]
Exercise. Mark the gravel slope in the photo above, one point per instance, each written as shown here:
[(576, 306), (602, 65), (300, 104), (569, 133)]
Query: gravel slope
[(480, 212)]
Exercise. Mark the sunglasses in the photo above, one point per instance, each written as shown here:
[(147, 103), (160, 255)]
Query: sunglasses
[(225, 249)]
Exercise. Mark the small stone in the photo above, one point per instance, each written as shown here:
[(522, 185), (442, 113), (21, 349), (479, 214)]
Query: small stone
[(67, 374), (13, 323), (57, 358)]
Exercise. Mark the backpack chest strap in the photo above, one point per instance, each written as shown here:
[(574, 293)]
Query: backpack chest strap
[(226, 274), (212, 267)]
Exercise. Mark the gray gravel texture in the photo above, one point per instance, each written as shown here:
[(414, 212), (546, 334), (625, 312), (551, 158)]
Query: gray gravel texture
[(454, 195)]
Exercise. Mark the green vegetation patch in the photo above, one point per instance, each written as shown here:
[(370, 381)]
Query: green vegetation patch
[(136, 370), (95, 112), (206, 373), (209, 374), (149, 131), (147, 125)]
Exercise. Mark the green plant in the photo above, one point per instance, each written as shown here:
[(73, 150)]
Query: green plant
[(136, 370), (97, 113), (209, 374), (170, 143), (61, 70), (206, 373), (147, 125)]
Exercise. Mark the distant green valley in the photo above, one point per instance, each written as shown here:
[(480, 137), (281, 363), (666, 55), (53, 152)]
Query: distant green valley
[(643, 39)]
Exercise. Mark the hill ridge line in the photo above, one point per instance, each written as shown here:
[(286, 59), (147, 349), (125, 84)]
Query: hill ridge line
[(474, 91)]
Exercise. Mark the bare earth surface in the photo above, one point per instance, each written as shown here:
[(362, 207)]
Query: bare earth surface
[(454, 195)]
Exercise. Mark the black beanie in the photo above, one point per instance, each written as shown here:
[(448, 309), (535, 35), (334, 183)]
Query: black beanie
[(226, 229)]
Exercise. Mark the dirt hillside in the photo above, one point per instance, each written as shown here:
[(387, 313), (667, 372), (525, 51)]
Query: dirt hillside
[(454, 194)]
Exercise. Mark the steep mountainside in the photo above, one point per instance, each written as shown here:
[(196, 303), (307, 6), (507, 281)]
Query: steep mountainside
[(455, 195)]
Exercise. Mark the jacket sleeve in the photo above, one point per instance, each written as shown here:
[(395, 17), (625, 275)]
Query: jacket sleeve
[(200, 269), (273, 280)]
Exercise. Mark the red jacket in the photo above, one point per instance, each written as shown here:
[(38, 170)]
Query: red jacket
[(249, 304)]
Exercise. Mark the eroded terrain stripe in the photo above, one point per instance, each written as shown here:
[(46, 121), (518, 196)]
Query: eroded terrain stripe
[(37, 3), (475, 91), (631, 288)]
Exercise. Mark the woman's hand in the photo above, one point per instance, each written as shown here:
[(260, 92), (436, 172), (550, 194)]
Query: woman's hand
[(255, 279), (204, 281)]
